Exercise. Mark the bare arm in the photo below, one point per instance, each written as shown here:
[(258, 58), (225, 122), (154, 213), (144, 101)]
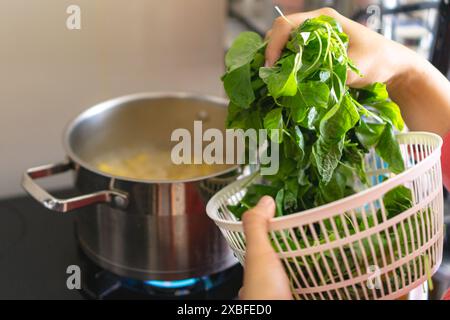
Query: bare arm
[(420, 90), (423, 94)]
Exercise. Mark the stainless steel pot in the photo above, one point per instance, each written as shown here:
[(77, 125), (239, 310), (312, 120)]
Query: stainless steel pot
[(137, 228)]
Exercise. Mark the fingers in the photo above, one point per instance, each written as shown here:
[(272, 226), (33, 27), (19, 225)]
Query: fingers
[(279, 36), (264, 275), (281, 30), (268, 35), (256, 226)]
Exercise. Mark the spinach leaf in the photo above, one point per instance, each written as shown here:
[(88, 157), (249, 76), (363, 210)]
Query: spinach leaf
[(333, 190), (281, 80), (314, 94), (238, 86), (243, 50), (279, 201), (389, 150), (300, 141), (375, 92), (397, 200), (390, 112), (321, 22), (238, 210), (311, 120), (369, 134), (289, 202), (299, 109), (254, 193), (327, 156), (339, 120), (274, 123), (236, 117)]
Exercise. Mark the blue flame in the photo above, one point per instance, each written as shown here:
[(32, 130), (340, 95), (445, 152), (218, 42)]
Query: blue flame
[(176, 284)]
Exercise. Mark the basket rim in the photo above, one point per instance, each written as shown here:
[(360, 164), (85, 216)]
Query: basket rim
[(343, 204)]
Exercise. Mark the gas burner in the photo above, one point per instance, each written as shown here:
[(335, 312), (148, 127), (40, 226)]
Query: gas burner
[(101, 284)]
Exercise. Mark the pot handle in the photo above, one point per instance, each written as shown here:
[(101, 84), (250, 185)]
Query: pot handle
[(64, 205)]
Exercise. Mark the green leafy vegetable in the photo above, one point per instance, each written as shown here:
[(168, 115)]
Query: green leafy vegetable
[(398, 200), (239, 87), (273, 122), (389, 149), (369, 134), (324, 128), (314, 94), (243, 51), (281, 80), (327, 155)]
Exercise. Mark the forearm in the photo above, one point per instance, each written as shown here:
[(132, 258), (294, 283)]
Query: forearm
[(423, 95)]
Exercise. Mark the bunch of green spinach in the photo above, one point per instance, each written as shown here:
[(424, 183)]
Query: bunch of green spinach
[(324, 129)]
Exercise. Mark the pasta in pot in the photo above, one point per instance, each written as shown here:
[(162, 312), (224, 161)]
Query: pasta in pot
[(153, 165)]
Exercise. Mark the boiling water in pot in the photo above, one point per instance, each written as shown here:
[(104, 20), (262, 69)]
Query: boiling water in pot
[(152, 164)]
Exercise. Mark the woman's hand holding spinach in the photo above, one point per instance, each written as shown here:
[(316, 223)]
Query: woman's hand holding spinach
[(297, 85), (420, 90), (378, 58), (323, 128)]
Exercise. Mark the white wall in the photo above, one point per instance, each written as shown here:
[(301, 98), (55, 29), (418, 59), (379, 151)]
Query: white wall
[(48, 74)]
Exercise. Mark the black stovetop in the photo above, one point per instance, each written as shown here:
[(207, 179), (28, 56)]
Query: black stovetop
[(37, 246)]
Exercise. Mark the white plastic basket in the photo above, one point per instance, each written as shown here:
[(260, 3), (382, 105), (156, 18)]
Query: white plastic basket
[(349, 266)]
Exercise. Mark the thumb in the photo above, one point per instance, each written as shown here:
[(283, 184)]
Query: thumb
[(256, 226)]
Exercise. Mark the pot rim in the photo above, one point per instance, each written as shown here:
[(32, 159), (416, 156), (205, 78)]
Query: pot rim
[(118, 103)]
